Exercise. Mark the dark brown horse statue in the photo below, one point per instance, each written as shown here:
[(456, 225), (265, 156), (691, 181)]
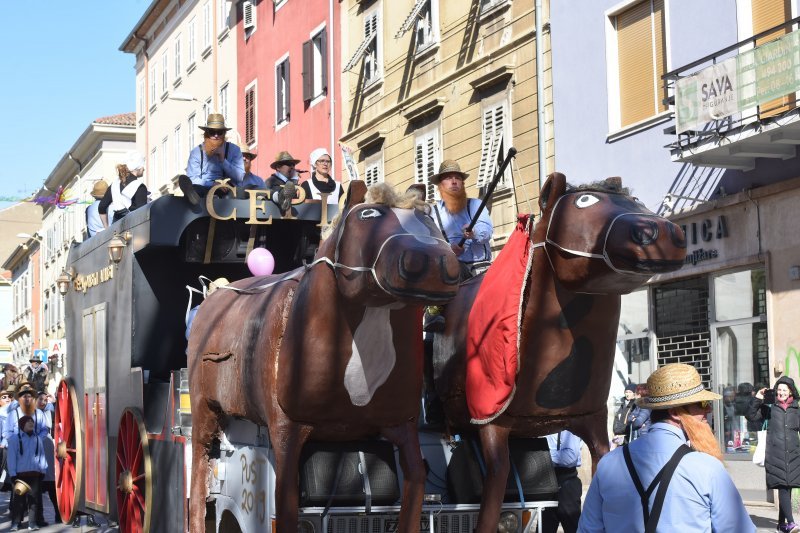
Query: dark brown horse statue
[(326, 352), (590, 246)]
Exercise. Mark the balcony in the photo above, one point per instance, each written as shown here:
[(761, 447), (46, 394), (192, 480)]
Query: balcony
[(738, 104)]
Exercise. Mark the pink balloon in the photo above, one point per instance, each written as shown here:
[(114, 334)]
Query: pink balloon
[(260, 262)]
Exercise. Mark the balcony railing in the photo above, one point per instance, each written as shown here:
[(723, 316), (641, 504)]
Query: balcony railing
[(742, 95)]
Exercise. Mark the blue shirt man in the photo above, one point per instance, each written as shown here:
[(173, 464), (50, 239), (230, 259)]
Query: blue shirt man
[(565, 451), (700, 495), (214, 159)]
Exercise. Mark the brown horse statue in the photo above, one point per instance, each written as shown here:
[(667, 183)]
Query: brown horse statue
[(590, 245), (332, 351)]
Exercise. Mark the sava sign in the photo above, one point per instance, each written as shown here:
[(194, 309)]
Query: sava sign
[(709, 95)]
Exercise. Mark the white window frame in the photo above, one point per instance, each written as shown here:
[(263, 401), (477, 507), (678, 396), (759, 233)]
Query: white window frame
[(206, 110), (252, 86), (282, 84), (176, 142), (373, 59), (431, 20), (154, 163), (206, 27), (430, 164), (223, 101), (373, 168), (249, 8), (153, 87), (491, 143), (164, 159), (192, 52), (320, 59), (164, 72), (612, 71), (490, 6), (177, 59), (191, 128), (223, 17), (141, 98)]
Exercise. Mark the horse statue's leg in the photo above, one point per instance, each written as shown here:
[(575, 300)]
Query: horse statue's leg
[(406, 438), (205, 426), (288, 438), (592, 429), (494, 441)]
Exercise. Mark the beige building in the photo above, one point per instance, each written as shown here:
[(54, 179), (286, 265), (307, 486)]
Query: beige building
[(429, 80), (185, 70)]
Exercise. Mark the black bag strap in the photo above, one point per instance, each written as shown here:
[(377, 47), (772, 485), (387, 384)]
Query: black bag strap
[(662, 479)]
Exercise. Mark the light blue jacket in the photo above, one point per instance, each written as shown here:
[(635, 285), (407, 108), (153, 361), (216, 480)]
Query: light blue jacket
[(452, 225), (32, 458), (204, 170), (11, 426), (701, 495), (567, 453)]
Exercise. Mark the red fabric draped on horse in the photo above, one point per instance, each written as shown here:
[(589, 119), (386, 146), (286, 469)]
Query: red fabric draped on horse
[(332, 352), (533, 353)]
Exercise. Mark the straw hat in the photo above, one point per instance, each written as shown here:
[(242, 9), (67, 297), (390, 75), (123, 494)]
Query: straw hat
[(448, 166), (249, 154), (26, 389), (99, 189), (674, 385), (215, 122), (283, 158), (21, 488)]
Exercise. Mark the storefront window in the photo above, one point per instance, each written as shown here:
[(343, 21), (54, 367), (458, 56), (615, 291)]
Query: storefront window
[(633, 336), (740, 295)]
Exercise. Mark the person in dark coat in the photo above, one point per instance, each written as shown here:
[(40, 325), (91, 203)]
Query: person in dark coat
[(782, 461)]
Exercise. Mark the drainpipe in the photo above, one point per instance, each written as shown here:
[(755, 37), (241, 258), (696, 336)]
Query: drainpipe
[(145, 53), (331, 85), (538, 38)]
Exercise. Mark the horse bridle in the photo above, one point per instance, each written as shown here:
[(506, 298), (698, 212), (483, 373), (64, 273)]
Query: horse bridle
[(604, 256)]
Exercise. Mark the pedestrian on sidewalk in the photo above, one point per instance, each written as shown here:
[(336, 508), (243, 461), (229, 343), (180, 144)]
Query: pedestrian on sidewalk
[(779, 410), (565, 451), (27, 463)]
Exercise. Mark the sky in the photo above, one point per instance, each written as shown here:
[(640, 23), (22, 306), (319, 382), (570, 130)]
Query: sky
[(61, 68)]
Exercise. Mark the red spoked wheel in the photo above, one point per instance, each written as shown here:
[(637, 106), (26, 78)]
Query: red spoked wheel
[(69, 451), (134, 474)]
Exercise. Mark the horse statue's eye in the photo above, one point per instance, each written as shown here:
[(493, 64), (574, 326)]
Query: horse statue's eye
[(586, 200), (370, 213)]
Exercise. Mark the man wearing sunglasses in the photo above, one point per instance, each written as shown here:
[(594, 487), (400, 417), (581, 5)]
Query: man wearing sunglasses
[(282, 184), (214, 159), (672, 479)]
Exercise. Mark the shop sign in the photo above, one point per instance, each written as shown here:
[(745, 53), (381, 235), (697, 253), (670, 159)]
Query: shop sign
[(707, 230)]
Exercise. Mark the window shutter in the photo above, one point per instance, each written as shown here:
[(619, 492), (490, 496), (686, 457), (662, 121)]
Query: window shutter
[(250, 116), (308, 70), (419, 162), (768, 14), (323, 39), (279, 93), (487, 163), (288, 92), (249, 14)]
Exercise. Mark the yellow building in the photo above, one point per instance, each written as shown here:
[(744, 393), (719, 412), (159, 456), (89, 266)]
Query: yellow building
[(428, 80)]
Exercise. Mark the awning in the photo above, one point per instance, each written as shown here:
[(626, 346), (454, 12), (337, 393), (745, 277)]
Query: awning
[(360, 51), (409, 22)]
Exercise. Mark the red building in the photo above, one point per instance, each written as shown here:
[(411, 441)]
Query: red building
[(288, 65)]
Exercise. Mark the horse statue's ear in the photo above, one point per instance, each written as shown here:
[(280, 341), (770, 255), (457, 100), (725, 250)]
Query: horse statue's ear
[(552, 189), (355, 194)]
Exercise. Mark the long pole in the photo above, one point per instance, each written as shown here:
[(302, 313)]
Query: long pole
[(509, 156)]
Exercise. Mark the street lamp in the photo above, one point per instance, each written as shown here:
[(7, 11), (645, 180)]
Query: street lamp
[(64, 281), (116, 246)]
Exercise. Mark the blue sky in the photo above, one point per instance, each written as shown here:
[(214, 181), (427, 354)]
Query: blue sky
[(61, 69)]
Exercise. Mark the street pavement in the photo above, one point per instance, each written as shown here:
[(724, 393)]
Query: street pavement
[(5, 519)]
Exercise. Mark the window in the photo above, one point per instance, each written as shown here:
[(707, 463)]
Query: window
[(223, 100), (206, 110), (250, 115), (369, 49), (206, 25), (192, 32), (152, 86), (222, 19), (178, 150), (282, 92), (427, 158), (249, 17), (374, 168), (315, 66), (164, 159), (424, 19), (641, 61), (488, 5), (164, 72), (191, 127), (177, 60), (494, 134), (140, 94)]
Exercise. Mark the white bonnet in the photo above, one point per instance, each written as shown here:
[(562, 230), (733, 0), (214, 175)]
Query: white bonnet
[(316, 154), (134, 160)]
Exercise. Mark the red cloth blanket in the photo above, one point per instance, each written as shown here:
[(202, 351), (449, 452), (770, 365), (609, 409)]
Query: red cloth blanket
[(493, 328)]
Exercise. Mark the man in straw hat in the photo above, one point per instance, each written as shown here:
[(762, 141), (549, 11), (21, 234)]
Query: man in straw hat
[(27, 463), (453, 214), (93, 222), (250, 181), (282, 184), (214, 159), (673, 479)]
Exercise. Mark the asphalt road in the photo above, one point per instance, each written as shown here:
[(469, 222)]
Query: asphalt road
[(5, 519)]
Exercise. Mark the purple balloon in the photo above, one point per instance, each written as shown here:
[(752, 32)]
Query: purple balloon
[(260, 262)]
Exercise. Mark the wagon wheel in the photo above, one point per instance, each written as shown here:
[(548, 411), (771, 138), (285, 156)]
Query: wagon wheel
[(69, 451), (134, 474)]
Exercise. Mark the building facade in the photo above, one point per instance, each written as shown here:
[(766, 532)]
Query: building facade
[(428, 80), (288, 79), (185, 70), (700, 121), (24, 332)]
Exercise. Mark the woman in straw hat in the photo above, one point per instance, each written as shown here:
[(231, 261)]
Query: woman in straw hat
[(780, 414), (672, 479), (26, 462), (94, 223)]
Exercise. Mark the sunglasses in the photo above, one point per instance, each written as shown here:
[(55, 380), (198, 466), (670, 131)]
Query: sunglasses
[(324, 161), (215, 133)]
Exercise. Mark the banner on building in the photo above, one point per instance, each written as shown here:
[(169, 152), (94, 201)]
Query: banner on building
[(752, 78), (349, 163)]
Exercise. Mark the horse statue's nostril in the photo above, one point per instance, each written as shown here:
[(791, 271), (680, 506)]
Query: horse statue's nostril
[(677, 235), (412, 265), (449, 278), (644, 232)]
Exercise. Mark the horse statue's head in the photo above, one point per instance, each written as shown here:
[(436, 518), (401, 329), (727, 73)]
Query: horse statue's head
[(388, 249), (599, 239)]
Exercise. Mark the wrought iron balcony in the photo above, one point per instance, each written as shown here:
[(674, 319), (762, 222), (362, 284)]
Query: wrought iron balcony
[(739, 103)]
